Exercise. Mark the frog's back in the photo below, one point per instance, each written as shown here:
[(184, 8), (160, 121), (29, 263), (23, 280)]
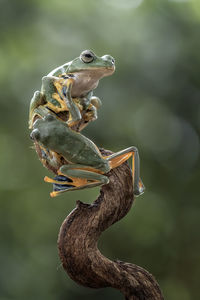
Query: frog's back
[(73, 146), (59, 70)]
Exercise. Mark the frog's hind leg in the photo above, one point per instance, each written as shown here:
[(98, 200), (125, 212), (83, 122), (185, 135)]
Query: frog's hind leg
[(76, 177), (52, 85), (120, 157)]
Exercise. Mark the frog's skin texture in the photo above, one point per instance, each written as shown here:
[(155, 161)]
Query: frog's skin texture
[(85, 166), (68, 89)]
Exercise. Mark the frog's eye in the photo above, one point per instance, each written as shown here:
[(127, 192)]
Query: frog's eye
[(87, 56)]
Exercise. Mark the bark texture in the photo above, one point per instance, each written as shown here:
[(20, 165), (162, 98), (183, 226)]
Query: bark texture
[(79, 234)]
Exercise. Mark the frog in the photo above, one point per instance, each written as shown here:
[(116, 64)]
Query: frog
[(82, 164), (67, 91)]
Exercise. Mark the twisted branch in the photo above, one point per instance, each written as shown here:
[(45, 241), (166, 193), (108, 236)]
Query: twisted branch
[(79, 234)]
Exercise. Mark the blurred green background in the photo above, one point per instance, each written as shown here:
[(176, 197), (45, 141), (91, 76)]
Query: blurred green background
[(152, 101)]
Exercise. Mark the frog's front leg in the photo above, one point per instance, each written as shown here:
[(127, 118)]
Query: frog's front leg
[(75, 177), (90, 104), (73, 109), (52, 84)]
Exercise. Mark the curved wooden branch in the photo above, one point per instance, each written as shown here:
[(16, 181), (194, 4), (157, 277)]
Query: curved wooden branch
[(79, 234)]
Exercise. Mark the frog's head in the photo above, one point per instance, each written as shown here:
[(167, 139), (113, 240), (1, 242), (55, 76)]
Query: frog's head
[(101, 66)]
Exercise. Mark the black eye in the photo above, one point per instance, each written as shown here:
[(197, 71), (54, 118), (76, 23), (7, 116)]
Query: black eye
[(87, 56)]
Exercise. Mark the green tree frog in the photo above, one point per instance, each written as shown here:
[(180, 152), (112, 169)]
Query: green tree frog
[(67, 91), (81, 163)]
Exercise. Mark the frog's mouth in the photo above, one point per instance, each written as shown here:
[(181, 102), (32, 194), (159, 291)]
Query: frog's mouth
[(98, 72), (111, 68)]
